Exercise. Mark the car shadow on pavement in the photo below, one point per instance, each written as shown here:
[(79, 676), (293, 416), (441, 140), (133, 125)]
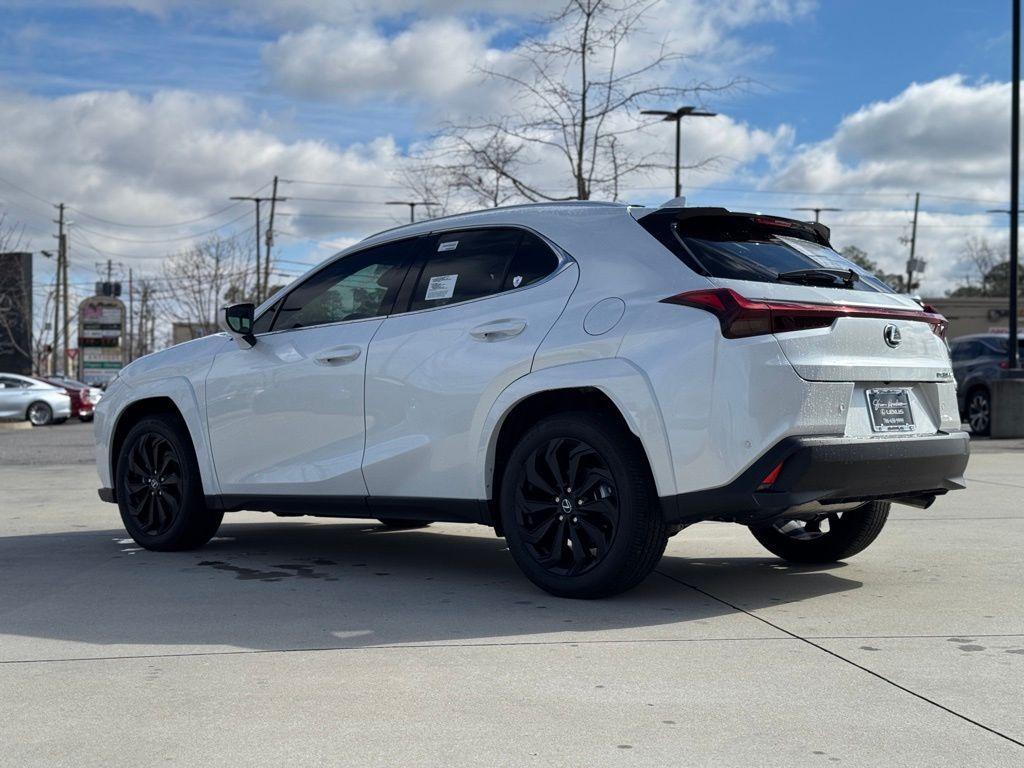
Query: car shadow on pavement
[(299, 585)]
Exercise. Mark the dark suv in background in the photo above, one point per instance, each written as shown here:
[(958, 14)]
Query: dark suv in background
[(978, 360)]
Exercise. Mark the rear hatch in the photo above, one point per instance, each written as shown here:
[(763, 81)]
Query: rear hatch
[(834, 320), (784, 262)]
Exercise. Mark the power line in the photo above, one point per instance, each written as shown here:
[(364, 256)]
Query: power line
[(192, 236)]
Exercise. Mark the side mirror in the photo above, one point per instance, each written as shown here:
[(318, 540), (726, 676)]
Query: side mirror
[(237, 320)]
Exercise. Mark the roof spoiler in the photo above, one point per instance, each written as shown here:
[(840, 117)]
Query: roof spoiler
[(675, 209)]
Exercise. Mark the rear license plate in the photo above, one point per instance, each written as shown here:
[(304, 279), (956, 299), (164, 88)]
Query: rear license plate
[(890, 410)]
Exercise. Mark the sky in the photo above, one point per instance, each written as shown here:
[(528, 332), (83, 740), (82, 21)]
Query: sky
[(145, 116)]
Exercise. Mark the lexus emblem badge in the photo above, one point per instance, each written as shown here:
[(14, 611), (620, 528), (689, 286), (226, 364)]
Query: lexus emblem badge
[(891, 334)]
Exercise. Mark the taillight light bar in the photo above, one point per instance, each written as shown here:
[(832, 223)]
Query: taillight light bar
[(741, 317)]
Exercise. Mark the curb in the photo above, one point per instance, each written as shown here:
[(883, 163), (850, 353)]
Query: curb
[(6, 425)]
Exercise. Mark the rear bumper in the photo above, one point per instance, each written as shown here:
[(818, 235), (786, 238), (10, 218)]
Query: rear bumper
[(830, 470)]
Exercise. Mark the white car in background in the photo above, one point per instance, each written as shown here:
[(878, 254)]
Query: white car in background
[(24, 398), (587, 379)]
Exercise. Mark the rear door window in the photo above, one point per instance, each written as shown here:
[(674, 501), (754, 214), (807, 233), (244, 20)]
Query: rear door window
[(758, 248), (465, 265)]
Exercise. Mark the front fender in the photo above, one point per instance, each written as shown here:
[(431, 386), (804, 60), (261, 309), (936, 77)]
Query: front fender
[(179, 390), (623, 383)]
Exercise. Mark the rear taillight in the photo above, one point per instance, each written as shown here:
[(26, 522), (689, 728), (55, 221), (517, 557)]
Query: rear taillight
[(741, 317)]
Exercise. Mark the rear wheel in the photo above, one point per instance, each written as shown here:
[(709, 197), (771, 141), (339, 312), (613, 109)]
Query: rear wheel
[(402, 524), (579, 508), (40, 414), (979, 411), (159, 491), (824, 539)]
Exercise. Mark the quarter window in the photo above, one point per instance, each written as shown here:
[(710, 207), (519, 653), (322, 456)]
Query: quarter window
[(354, 287)]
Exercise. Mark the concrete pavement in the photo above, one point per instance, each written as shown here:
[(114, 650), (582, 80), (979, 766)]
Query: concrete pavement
[(299, 642)]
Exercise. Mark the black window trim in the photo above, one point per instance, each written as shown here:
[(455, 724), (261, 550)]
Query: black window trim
[(404, 299)]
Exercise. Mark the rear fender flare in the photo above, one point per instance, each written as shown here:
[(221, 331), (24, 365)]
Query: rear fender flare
[(622, 382)]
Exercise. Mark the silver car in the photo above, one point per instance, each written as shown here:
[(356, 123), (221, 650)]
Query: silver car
[(24, 398)]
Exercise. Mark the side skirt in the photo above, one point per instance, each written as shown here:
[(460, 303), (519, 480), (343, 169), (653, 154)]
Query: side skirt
[(432, 510)]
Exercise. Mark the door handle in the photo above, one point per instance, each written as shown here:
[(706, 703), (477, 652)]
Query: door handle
[(498, 330), (338, 355)]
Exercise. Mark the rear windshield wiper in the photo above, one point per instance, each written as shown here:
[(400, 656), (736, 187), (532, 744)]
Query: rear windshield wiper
[(820, 276)]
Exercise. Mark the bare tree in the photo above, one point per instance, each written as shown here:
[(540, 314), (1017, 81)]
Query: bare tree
[(576, 99), (198, 281), (465, 170), (980, 258)]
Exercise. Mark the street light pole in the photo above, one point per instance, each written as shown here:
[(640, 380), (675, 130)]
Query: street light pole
[(676, 116), (412, 206), (817, 212), (1012, 359)]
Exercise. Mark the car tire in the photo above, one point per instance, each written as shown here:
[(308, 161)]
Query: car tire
[(39, 414), (598, 540), (978, 411), (60, 421), (159, 489), (398, 524), (848, 533), (85, 419)]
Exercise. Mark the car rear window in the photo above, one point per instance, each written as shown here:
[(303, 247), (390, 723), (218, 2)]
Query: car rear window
[(749, 247)]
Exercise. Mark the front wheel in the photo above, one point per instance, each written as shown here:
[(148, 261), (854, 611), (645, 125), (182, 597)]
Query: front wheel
[(825, 538), (159, 491), (579, 508), (40, 414)]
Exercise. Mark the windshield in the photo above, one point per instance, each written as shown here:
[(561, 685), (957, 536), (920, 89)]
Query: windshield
[(758, 248)]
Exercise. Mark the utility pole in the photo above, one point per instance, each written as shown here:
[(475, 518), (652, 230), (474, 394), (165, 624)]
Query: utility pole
[(61, 299), (270, 238), (676, 116), (911, 262), (412, 206), (817, 212), (1013, 361), (131, 319), (55, 356), (273, 200)]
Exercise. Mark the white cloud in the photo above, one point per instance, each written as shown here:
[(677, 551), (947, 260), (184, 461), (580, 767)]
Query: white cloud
[(430, 60), (948, 136), (948, 139), (170, 158)]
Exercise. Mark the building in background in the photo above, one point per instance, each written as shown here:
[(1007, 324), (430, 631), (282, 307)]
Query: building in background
[(182, 332), (974, 314), (16, 313)]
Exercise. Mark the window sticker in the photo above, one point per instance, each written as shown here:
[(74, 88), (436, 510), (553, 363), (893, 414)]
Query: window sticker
[(825, 257), (441, 287), (517, 281), (451, 245)]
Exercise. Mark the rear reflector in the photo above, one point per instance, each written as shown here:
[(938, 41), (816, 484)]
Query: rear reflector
[(741, 317), (770, 478)]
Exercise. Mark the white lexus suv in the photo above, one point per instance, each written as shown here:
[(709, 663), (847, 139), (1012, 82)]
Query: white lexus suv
[(588, 379)]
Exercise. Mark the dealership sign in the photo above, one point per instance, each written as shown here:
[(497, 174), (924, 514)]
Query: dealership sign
[(100, 335)]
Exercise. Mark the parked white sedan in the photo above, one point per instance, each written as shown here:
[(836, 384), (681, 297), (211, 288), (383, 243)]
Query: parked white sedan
[(24, 398)]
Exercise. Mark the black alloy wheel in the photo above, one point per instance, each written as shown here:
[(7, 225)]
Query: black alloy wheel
[(579, 508), (567, 506), (824, 538), (154, 484), (158, 487)]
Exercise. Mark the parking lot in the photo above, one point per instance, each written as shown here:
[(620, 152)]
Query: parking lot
[(311, 642)]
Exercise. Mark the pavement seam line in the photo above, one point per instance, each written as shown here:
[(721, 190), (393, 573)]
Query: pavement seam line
[(839, 656), (418, 646)]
